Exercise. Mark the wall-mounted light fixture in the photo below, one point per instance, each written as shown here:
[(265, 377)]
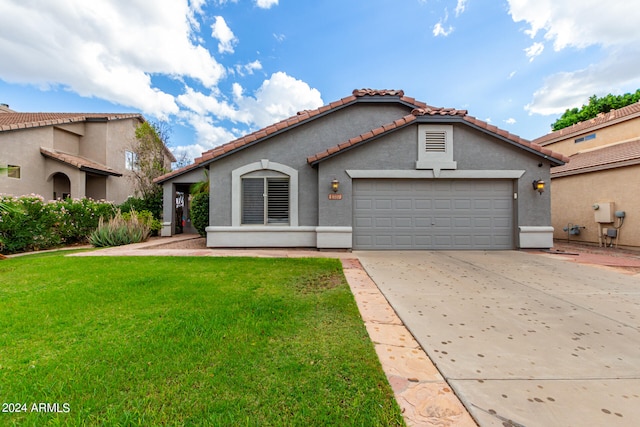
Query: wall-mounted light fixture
[(538, 185), (335, 184)]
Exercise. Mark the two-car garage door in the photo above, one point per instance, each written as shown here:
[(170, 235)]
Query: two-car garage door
[(432, 214)]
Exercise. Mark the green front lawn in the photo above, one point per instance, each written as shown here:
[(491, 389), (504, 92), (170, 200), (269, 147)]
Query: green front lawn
[(185, 341)]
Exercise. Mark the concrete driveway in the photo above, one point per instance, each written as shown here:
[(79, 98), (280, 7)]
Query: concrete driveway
[(523, 339)]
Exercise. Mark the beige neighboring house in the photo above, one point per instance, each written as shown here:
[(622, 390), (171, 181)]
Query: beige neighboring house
[(601, 182), (59, 155)]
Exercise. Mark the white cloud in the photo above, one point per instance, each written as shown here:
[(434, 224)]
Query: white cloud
[(249, 68), (105, 49), (439, 30), (534, 50), (266, 4), (460, 7), (221, 31), (579, 24), (204, 105), (510, 121), (617, 74), (279, 97), (208, 134), (279, 37)]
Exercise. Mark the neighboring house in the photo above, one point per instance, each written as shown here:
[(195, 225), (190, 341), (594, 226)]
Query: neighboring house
[(58, 155), (375, 170), (604, 172)]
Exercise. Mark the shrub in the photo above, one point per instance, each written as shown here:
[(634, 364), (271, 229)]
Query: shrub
[(29, 226), (200, 212), (147, 218), (151, 203), (79, 218), (120, 231), (31, 223)]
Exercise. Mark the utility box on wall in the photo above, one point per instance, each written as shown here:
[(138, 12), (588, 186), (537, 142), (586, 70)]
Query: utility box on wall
[(603, 212)]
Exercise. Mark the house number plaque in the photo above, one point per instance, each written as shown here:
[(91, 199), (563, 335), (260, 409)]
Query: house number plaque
[(335, 196)]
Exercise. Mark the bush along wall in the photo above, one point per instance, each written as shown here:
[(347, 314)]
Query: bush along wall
[(30, 223)]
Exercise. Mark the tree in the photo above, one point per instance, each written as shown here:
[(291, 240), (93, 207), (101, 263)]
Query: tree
[(151, 156), (594, 107)]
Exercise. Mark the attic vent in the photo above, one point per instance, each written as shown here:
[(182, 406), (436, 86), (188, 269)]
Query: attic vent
[(435, 148), (435, 141)]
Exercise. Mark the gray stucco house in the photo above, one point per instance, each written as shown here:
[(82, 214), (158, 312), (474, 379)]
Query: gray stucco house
[(375, 170)]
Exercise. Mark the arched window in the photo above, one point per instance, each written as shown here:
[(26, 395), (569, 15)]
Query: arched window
[(264, 193)]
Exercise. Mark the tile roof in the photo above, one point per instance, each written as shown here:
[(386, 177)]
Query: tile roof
[(78, 162), (601, 158), (602, 120), (419, 109), (432, 111), (15, 121), (299, 118)]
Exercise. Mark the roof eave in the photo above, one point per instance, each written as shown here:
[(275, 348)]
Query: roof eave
[(555, 161), (99, 171)]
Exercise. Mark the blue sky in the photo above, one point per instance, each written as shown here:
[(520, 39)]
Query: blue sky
[(217, 69)]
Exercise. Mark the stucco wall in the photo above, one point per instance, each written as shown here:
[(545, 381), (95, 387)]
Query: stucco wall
[(103, 142), (580, 192), (292, 148), (473, 150), (604, 136), (22, 148)]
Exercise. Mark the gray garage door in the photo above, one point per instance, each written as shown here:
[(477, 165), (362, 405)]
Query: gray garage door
[(433, 214)]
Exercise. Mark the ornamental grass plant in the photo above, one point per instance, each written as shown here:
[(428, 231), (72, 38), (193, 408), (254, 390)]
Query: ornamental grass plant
[(120, 230)]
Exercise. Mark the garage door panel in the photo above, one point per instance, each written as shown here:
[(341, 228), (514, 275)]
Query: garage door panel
[(403, 204), (403, 223), (433, 214), (363, 204), (383, 204)]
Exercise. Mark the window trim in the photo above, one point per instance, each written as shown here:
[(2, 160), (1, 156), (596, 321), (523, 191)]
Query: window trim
[(131, 160), (585, 138), (264, 164)]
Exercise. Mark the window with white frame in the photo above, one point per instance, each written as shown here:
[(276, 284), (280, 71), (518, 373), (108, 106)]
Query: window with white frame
[(265, 200), (131, 161)]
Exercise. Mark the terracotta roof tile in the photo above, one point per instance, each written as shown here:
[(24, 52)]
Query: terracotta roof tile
[(420, 112), (300, 117), (78, 161), (613, 116), (15, 121), (421, 109), (607, 157)]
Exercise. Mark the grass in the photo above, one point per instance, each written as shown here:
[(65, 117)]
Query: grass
[(187, 342)]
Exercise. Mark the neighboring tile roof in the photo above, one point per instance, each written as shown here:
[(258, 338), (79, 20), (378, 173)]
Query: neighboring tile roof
[(16, 121), (602, 120), (78, 162), (601, 158), (431, 111)]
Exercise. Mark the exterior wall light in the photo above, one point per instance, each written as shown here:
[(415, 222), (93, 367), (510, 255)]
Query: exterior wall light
[(538, 185), (335, 184)]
